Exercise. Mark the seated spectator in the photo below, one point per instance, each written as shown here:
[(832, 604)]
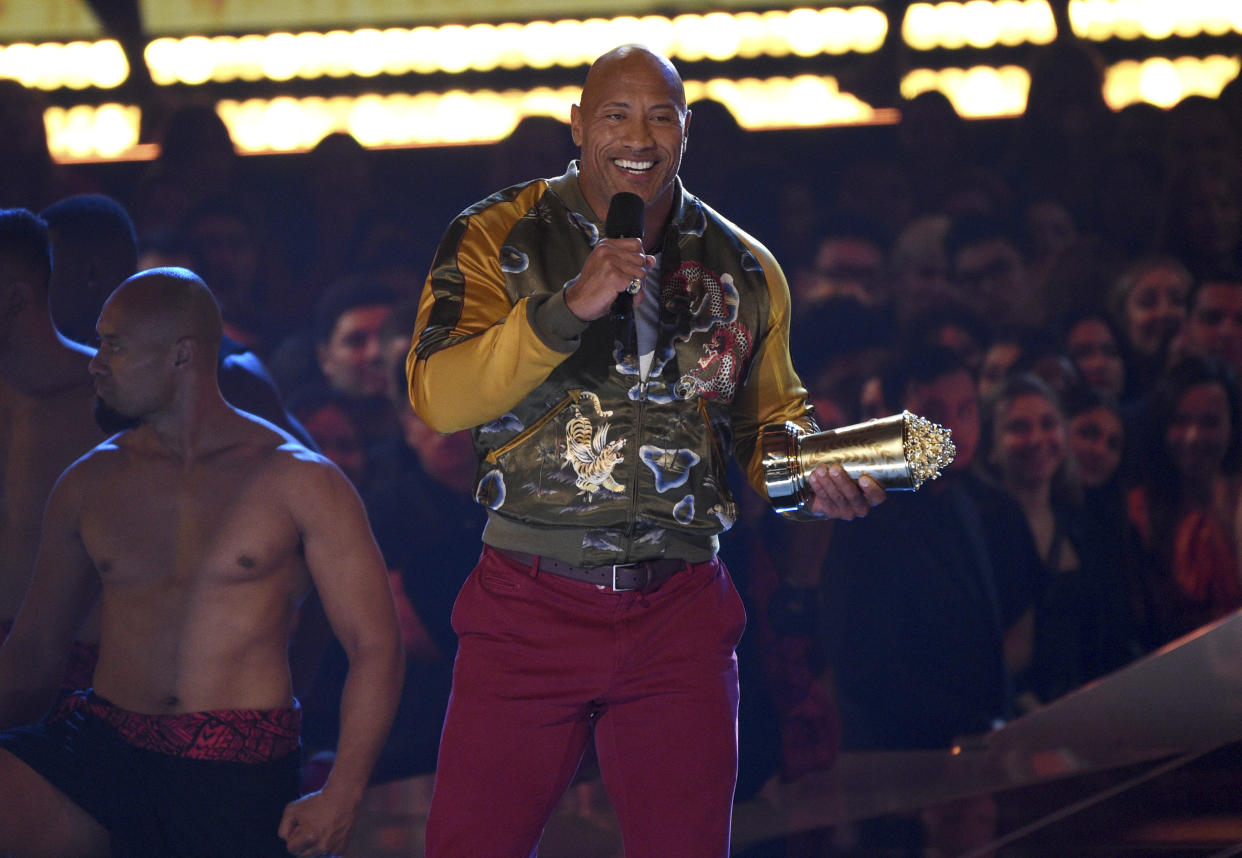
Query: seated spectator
[(93, 245), (343, 352), (916, 627), (989, 268), (1202, 217), (426, 522), (1184, 510), (1148, 303), (1214, 320), (953, 325), (919, 268), (851, 260), (324, 414), (1092, 342), (1075, 630), (1004, 350)]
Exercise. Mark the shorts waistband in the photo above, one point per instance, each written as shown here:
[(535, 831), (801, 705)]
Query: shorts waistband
[(226, 735)]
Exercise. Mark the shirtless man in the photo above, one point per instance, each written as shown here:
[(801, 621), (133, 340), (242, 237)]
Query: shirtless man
[(46, 397), (201, 530)]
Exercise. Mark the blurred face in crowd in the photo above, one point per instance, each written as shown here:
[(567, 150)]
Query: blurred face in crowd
[(845, 265), (1213, 218), (1092, 347), (352, 359), (1029, 443), (1199, 431), (997, 361), (337, 438), (1155, 310), (1096, 438), (1214, 324), (449, 459), (952, 401), (631, 127), (991, 275)]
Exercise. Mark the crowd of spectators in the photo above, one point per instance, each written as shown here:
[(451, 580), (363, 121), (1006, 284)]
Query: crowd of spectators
[(1063, 291)]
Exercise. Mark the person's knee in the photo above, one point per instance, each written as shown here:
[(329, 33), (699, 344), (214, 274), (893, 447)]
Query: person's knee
[(38, 820)]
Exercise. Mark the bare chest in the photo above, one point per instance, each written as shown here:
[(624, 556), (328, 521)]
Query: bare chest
[(160, 526)]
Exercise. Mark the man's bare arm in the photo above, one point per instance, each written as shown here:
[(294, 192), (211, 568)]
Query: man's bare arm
[(64, 587), (352, 581)]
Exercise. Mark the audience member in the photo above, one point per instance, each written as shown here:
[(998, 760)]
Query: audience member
[(1092, 342), (1214, 320), (851, 261), (1148, 302), (324, 414), (1075, 630), (917, 627), (1202, 218), (46, 400), (1184, 509), (988, 267), (94, 250)]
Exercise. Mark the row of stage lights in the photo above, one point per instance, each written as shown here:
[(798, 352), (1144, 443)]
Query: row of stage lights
[(289, 124)]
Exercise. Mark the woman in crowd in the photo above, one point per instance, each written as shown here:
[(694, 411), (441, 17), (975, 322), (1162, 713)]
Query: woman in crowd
[(1148, 303), (1184, 511), (1092, 342), (1072, 630)]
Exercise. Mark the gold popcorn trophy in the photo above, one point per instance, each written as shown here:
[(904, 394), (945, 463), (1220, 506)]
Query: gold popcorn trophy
[(900, 453)]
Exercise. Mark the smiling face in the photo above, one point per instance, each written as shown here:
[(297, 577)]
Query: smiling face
[(1029, 442), (1214, 326), (631, 127), (1093, 349), (1199, 432), (1096, 438), (1155, 309)]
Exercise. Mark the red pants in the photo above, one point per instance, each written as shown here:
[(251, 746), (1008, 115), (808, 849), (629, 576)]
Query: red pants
[(541, 658)]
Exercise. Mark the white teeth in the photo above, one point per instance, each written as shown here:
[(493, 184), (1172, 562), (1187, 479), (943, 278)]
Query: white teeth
[(640, 166)]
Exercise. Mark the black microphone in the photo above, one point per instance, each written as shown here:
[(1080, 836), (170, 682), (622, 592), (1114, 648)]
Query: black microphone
[(625, 220)]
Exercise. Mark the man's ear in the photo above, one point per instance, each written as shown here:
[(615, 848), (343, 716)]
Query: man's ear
[(575, 124), (187, 348)]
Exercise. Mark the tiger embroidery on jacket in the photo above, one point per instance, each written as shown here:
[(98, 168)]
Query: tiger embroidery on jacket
[(589, 452)]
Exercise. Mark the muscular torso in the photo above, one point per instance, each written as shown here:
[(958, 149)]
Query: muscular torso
[(40, 436), (202, 571)]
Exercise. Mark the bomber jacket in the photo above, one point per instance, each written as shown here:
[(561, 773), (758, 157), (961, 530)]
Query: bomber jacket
[(579, 458)]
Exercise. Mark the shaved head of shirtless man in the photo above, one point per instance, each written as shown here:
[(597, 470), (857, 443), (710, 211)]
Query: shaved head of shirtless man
[(201, 530)]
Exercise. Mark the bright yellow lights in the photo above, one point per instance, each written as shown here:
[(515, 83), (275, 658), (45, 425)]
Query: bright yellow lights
[(84, 132), (538, 44), (1165, 82), (77, 65), (977, 93), (978, 24), (803, 101), (984, 92), (1154, 19), (485, 116)]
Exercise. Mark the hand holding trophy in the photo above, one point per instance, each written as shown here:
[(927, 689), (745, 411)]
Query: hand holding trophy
[(899, 452)]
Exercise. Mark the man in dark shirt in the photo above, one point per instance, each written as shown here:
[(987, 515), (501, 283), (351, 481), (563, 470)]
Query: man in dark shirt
[(917, 626)]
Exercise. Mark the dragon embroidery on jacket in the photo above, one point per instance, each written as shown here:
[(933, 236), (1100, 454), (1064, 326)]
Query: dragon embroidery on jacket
[(712, 306), (588, 450)]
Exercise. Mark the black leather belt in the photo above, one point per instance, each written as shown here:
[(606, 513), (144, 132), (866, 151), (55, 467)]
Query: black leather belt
[(646, 575)]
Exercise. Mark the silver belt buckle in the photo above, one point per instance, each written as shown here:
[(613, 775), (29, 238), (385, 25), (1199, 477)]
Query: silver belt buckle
[(617, 566)]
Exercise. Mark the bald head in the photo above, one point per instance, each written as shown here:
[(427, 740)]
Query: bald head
[(632, 59), (631, 126), (172, 304)]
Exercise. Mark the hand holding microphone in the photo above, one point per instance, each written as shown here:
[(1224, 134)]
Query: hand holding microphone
[(613, 272)]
